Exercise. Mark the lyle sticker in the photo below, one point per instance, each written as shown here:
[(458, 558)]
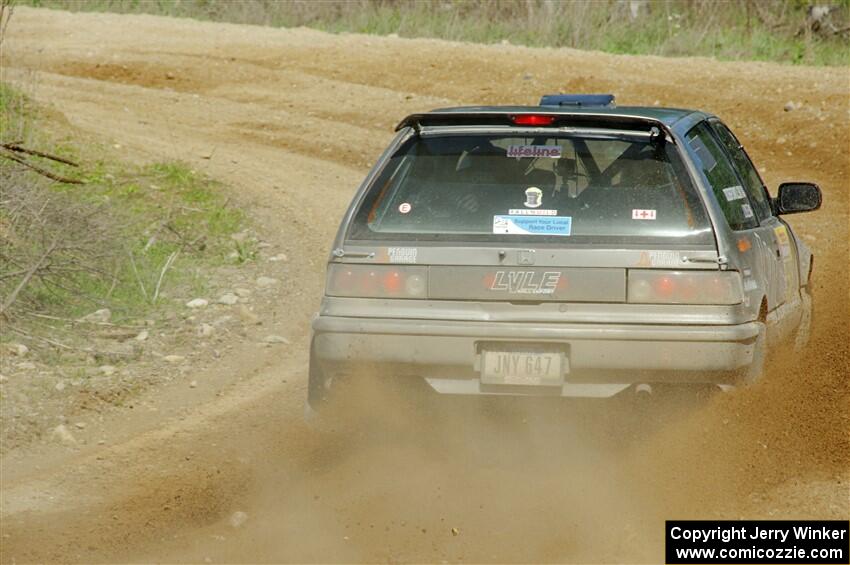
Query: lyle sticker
[(404, 207), (643, 214), (734, 193), (533, 225), (520, 151), (747, 211)]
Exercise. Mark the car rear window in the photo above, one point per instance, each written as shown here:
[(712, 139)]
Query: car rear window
[(519, 187)]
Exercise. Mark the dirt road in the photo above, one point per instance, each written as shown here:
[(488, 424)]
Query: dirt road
[(291, 120)]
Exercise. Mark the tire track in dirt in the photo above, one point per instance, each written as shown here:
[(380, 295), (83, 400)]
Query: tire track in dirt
[(291, 119)]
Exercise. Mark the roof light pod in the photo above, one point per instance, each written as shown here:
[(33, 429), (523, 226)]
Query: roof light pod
[(578, 100)]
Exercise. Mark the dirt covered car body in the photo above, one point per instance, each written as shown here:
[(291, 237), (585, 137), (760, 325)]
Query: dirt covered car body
[(574, 248)]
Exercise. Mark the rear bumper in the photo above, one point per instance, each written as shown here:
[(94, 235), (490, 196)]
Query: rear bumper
[(603, 358)]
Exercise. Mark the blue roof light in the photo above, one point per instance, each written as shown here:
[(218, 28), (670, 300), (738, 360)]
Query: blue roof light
[(578, 100)]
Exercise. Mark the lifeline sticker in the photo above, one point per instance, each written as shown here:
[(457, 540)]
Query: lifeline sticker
[(534, 225), (643, 214), (747, 210), (404, 207), (520, 151), (401, 254), (734, 193), (526, 212)]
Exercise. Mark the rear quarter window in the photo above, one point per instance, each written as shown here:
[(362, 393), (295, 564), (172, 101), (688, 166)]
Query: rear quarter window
[(753, 184), (721, 177), (522, 187)]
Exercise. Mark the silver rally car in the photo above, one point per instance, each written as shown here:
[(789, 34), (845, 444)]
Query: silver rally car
[(573, 248)]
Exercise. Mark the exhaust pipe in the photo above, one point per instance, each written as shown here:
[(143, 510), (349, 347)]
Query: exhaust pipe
[(643, 389)]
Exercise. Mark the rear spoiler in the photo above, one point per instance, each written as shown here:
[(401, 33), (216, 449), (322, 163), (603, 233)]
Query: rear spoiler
[(559, 119)]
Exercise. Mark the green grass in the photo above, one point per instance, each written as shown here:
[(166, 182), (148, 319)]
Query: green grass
[(163, 208), (729, 30), (149, 214)]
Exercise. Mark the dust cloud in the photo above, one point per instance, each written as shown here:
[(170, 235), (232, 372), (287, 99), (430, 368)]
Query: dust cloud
[(507, 480)]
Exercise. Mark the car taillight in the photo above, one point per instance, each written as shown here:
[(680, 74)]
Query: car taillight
[(533, 120), (685, 287), (377, 281)]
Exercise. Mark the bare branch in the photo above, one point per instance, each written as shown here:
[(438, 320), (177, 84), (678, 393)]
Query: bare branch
[(6, 9), (168, 263), (138, 278), (26, 279)]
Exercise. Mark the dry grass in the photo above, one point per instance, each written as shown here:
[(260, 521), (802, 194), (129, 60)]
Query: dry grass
[(775, 30), (123, 239)]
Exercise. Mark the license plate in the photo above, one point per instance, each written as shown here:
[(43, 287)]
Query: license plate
[(534, 368)]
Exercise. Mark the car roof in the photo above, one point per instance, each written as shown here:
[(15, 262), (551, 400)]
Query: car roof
[(668, 117)]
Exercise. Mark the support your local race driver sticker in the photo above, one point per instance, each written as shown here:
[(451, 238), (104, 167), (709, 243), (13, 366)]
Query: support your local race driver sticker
[(533, 225)]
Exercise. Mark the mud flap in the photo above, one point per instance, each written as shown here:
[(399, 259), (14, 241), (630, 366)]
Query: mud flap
[(755, 370), (316, 385), (804, 329)]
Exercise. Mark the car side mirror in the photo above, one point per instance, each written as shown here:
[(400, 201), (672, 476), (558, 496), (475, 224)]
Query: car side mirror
[(797, 197)]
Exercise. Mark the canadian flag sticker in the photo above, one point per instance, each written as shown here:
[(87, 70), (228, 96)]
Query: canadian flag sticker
[(643, 214)]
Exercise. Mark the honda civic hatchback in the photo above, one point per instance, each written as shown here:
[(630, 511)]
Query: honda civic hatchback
[(573, 248)]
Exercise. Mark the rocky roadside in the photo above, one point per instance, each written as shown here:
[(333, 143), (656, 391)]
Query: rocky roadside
[(52, 390)]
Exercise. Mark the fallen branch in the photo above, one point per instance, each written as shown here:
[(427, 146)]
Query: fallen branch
[(16, 147), (73, 321), (44, 172), (47, 340)]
